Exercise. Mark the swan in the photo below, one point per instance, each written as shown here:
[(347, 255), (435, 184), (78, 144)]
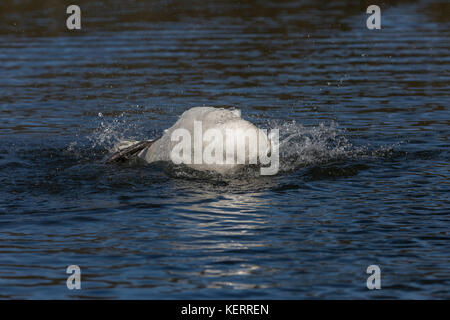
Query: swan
[(220, 133)]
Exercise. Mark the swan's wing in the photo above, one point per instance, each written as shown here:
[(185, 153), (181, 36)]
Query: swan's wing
[(130, 152)]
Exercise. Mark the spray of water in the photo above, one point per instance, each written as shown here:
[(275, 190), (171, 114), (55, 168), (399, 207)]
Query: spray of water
[(299, 145), (111, 131)]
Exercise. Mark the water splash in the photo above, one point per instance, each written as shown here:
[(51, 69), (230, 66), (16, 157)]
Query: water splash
[(112, 130), (299, 145)]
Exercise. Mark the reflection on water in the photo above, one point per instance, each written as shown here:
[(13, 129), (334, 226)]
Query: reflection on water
[(363, 116), (219, 231)]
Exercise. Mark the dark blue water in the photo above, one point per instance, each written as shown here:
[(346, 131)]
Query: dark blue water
[(365, 180)]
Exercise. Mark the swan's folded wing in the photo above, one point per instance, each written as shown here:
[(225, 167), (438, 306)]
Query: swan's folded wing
[(129, 153)]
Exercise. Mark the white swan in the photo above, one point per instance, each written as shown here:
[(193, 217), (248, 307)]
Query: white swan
[(224, 122)]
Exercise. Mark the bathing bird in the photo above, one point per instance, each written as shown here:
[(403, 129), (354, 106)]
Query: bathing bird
[(203, 138)]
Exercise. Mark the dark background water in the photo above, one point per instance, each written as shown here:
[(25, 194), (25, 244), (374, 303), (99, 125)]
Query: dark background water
[(365, 182)]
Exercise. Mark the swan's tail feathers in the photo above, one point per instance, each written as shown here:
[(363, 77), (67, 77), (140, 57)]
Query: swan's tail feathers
[(130, 152)]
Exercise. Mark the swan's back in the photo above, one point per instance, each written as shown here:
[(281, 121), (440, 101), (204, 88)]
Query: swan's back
[(220, 119)]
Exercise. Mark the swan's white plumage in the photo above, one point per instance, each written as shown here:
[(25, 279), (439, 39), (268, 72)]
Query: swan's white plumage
[(211, 118)]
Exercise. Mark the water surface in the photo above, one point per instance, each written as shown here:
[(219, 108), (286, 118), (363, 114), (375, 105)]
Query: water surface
[(365, 180)]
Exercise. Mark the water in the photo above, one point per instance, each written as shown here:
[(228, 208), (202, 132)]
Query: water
[(364, 178)]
